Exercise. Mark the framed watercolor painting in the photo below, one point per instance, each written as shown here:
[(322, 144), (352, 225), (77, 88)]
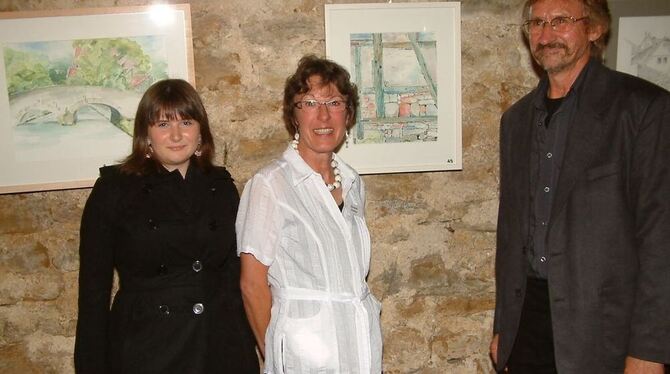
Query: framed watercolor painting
[(70, 82), (640, 39), (406, 62)]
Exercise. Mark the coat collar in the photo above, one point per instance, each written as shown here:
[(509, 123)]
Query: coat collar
[(193, 173)]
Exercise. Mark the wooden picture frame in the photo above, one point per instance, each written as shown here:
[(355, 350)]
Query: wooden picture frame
[(70, 82), (405, 59)]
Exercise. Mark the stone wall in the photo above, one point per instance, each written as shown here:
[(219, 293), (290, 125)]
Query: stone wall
[(433, 233)]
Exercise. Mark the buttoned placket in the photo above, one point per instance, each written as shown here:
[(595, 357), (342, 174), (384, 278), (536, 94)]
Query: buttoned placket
[(362, 320), (338, 217), (546, 143), (545, 181), (185, 202)]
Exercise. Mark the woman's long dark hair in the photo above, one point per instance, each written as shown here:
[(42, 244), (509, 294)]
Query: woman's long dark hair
[(169, 99)]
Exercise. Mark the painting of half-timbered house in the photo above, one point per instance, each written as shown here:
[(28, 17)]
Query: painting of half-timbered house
[(396, 77)]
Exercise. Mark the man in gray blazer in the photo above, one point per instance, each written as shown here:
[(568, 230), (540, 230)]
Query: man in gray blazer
[(583, 246)]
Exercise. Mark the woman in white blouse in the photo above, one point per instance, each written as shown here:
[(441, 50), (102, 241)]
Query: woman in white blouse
[(303, 240)]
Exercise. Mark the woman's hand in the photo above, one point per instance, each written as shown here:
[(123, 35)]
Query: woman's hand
[(256, 296)]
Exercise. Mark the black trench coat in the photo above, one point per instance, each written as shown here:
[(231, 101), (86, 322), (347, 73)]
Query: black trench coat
[(179, 307)]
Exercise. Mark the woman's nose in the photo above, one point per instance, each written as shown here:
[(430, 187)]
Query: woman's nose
[(323, 113), (175, 132)]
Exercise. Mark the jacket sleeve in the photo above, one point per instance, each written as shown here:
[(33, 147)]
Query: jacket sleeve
[(95, 282), (500, 227), (232, 265), (649, 195)]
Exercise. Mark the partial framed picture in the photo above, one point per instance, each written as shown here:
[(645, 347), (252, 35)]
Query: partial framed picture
[(70, 82), (640, 40), (406, 62)]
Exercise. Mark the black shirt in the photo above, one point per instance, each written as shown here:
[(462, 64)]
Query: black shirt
[(552, 119)]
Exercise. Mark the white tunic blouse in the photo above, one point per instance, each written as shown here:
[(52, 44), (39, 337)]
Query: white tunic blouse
[(323, 318)]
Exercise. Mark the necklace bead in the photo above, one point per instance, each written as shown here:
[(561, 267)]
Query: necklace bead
[(338, 178)]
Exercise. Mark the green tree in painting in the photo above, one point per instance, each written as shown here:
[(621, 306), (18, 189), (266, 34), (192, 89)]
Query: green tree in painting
[(25, 71), (58, 73), (116, 63)]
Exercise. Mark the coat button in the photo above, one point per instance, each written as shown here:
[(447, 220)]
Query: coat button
[(197, 266), (164, 309), (198, 308), (162, 269), (152, 224)]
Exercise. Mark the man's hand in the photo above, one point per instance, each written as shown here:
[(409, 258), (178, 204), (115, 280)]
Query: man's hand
[(637, 366), (493, 349)]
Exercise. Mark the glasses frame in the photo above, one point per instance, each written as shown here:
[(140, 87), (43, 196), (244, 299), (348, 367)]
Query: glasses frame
[(554, 22), (326, 103)]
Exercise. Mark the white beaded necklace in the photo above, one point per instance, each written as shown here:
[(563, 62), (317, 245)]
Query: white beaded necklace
[(338, 177), (333, 163)]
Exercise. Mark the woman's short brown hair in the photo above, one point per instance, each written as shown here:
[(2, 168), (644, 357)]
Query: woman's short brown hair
[(169, 99), (330, 73)]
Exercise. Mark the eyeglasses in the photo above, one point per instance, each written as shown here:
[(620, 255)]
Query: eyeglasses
[(312, 105), (558, 24)]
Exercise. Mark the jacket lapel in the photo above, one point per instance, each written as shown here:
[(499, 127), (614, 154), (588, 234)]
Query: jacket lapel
[(522, 160), (584, 135)]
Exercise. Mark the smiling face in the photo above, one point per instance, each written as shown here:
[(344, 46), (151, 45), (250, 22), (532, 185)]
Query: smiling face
[(173, 142), (556, 51), (321, 129)]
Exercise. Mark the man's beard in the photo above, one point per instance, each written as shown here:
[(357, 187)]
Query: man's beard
[(563, 63)]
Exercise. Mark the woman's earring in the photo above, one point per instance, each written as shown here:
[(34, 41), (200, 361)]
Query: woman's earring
[(295, 141), (151, 150), (198, 151), (346, 139)]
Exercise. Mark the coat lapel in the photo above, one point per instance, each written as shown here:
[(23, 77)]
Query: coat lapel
[(585, 135), (516, 166)]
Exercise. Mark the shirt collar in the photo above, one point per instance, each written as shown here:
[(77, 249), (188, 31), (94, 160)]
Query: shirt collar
[(543, 85), (300, 171)]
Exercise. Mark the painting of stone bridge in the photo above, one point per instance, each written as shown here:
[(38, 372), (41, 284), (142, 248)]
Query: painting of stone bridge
[(60, 82), (70, 83)]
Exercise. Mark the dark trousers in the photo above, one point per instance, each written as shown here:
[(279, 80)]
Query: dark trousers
[(533, 350)]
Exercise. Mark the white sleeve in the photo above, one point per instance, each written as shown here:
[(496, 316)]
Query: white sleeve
[(258, 221)]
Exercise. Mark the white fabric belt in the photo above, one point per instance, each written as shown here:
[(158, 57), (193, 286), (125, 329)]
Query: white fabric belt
[(317, 295)]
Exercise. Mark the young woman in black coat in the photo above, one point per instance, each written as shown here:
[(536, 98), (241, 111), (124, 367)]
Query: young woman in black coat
[(164, 219)]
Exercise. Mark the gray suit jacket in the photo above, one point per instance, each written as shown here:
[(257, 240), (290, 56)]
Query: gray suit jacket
[(609, 231)]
